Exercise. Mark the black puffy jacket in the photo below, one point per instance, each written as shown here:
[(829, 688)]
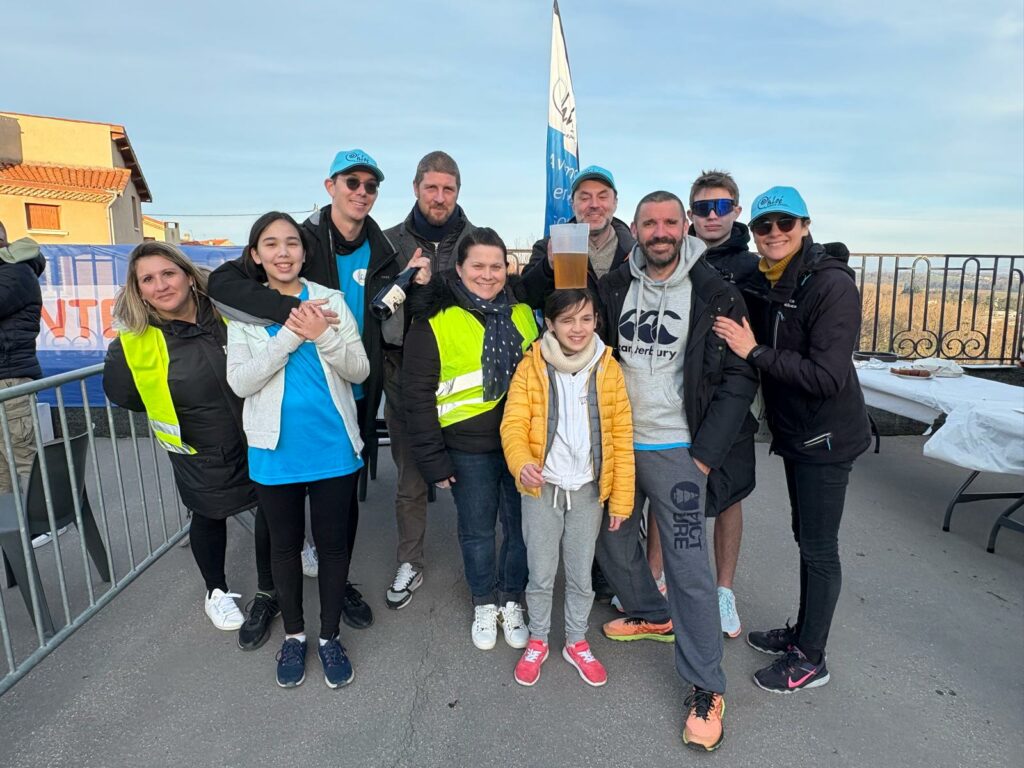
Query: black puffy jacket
[(21, 305), (808, 326), (733, 258), (214, 481)]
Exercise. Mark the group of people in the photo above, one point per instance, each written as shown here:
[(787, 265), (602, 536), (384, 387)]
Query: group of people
[(601, 426)]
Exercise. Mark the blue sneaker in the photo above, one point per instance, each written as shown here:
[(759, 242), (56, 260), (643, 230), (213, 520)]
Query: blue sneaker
[(291, 663), (338, 670)]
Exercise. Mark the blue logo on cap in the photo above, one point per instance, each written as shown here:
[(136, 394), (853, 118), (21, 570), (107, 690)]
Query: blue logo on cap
[(350, 159), (780, 200)]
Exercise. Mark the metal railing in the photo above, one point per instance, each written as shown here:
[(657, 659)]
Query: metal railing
[(965, 308), (121, 504)]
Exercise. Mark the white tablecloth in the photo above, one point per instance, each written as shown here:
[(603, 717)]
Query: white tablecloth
[(984, 427)]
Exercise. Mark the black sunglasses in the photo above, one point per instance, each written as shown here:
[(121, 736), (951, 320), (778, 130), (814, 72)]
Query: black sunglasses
[(353, 183), (764, 226), (721, 207)]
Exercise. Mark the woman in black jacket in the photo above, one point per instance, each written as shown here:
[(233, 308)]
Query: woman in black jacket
[(806, 313), (469, 332), (169, 361)]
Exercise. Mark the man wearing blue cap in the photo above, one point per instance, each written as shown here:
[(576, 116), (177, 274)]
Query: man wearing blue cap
[(594, 200), (346, 250)]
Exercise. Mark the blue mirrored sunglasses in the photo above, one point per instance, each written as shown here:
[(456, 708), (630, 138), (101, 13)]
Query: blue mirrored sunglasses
[(721, 207)]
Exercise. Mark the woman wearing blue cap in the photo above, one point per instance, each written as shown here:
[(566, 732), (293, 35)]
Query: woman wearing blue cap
[(805, 310)]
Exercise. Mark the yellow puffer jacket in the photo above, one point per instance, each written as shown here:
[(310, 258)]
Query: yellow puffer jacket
[(524, 427)]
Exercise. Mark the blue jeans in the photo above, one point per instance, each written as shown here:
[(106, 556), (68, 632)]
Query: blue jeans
[(484, 491)]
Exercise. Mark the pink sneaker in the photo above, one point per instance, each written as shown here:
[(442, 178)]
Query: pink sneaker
[(528, 669), (590, 669)]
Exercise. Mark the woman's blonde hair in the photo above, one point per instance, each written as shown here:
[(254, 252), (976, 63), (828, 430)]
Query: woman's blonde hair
[(131, 312)]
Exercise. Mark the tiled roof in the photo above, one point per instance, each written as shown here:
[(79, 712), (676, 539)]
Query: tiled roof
[(63, 182)]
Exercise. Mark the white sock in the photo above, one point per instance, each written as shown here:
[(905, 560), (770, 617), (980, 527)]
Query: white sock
[(323, 642), (301, 637)]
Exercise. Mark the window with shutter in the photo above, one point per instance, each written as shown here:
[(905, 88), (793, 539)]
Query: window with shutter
[(39, 216)]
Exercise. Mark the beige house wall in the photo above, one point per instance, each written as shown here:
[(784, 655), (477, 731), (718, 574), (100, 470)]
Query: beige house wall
[(79, 222), (68, 142)]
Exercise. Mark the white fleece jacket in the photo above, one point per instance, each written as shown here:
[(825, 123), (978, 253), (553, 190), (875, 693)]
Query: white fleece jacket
[(256, 364)]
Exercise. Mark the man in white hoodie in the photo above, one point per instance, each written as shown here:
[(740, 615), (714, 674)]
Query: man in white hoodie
[(689, 395)]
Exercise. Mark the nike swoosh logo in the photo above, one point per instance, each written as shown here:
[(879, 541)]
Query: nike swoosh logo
[(801, 681)]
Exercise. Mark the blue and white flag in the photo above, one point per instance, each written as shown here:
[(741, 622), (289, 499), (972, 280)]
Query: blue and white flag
[(563, 155)]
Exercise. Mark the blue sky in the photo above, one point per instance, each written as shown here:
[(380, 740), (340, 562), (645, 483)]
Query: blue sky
[(901, 123)]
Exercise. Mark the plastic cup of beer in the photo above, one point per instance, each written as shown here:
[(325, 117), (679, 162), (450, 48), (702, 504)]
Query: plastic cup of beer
[(570, 251)]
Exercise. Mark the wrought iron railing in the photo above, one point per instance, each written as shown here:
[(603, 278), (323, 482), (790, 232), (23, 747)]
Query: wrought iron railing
[(965, 308)]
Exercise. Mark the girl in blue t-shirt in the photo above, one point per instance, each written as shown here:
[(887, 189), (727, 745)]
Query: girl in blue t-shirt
[(300, 420)]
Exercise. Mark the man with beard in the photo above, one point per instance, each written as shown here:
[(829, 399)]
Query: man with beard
[(594, 200), (435, 226), (690, 395), (714, 208)]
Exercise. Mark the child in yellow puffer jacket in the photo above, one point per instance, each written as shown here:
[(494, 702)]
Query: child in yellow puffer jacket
[(567, 434)]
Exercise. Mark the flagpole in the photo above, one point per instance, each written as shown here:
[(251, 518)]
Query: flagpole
[(562, 142)]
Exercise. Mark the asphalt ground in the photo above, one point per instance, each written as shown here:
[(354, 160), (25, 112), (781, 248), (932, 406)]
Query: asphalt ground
[(925, 656)]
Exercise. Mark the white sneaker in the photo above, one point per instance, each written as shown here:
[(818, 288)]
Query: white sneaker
[(727, 610), (310, 563), (45, 538), (223, 610), (407, 580), (485, 626), (513, 626)]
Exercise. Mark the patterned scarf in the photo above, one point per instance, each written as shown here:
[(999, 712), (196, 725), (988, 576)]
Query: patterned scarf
[(503, 343)]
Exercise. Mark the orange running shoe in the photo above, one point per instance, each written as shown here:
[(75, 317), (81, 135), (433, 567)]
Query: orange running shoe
[(633, 628), (704, 729)]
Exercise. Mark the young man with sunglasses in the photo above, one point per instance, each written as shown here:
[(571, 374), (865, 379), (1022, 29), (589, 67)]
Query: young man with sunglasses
[(714, 209), (435, 226), (346, 250)]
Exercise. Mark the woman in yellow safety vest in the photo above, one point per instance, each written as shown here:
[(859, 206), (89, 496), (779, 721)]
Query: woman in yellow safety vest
[(169, 361), (469, 332)]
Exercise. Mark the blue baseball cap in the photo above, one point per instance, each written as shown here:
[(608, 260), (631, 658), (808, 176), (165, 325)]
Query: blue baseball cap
[(778, 200), (596, 173), (354, 160)]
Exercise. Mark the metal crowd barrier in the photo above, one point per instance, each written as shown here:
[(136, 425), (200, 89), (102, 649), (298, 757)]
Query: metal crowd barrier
[(117, 488)]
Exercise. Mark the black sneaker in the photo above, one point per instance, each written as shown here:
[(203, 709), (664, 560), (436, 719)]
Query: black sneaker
[(773, 642), (338, 670), (354, 610), (791, 672), (291, 663), (261, 611)]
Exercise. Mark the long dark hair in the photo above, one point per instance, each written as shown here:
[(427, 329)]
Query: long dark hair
[(253, 269)]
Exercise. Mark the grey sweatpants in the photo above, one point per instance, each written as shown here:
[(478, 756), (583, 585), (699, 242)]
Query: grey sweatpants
[(676, 489), (545, 526)]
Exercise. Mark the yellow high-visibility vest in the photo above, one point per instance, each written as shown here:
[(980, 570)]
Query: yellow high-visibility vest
[(460, 346), (148, 361)]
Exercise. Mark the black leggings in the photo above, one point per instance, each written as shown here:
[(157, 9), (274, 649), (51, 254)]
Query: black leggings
[(209, 539), (332, 508), (817, 493)]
